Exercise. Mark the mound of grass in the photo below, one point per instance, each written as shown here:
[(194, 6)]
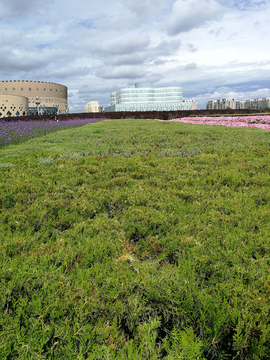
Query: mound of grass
[(144, 240)]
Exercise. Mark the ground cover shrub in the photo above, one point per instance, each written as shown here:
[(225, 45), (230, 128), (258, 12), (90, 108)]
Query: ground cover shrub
[(120, 251)]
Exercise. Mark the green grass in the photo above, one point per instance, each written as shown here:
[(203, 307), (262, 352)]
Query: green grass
[(136, 239)]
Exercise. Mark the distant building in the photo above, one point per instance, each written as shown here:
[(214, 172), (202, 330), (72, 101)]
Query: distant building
[(144, 97), (261, 103), (93, 106), (221, 104), (42, 97), (194, 105)]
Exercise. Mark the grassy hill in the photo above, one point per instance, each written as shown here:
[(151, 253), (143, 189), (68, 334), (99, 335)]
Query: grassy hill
[(136, 239)]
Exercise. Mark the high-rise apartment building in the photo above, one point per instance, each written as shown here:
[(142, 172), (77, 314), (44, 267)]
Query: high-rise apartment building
[(261, 103), (221, 104)]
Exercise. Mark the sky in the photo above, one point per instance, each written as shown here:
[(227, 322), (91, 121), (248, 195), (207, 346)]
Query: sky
[(213, 49)]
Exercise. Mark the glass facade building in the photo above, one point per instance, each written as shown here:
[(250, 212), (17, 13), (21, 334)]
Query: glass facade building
[(144, 97), (43, 110)]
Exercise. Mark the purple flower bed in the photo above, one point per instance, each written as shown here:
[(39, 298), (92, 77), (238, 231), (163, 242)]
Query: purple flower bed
[(262, 122), (15, 132)]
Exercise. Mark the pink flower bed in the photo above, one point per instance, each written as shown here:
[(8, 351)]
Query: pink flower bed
[(262, 122)]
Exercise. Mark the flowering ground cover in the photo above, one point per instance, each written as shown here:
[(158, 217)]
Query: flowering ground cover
[(262, 121), (15, 132), (133, 239)]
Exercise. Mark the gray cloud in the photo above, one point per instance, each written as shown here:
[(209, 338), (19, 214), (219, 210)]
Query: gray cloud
[(145, 8), (143, 55), (31, 60), (123, 45), (67, 72), (191, 47), (117, 22), (15, 8), (191, 66), (122, 72), (166, 48), (21, 62), (191, 14), (215, 32), (159, 62), (134, 59)]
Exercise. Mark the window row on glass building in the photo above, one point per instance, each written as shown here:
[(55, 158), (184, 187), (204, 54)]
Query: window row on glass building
[(144, 97)]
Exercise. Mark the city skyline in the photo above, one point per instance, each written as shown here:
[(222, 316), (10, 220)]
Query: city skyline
[(212, 49)]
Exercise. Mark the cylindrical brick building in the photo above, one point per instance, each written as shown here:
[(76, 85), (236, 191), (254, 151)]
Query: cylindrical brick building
[(50, 95)]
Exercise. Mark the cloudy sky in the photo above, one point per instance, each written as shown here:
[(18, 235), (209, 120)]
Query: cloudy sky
[(212, 48)]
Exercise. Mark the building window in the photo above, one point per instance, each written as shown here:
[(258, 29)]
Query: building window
[(21, 89), (13, 89), (30, 89)]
